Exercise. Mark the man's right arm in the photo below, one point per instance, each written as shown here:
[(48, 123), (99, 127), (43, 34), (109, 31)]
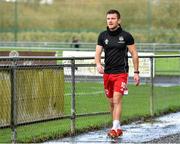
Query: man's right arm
[(99, 67)]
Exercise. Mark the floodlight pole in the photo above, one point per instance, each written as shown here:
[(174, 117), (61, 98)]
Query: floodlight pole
[(15, 20), (149, 17)]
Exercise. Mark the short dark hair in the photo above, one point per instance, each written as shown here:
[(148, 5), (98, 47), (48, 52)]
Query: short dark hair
[(113, 11)]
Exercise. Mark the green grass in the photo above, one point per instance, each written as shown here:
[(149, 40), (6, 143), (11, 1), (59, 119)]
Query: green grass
[(136, 104), (167, 66), (166, 98)]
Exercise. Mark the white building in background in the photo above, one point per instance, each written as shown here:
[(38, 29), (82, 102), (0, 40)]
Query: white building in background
[(10, 0), (48, 2)]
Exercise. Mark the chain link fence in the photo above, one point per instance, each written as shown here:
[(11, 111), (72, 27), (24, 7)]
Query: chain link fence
[(51, 97)]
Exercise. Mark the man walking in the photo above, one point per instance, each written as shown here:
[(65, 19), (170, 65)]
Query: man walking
[(115, 42)]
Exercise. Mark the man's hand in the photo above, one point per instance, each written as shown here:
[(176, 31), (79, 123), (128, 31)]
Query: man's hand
[(100, 68), (136, 79)]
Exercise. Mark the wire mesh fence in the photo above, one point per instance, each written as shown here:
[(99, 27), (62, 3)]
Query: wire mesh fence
[(51, 97)]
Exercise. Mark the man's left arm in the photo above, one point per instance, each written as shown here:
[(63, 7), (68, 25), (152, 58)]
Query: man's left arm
[(135, 59)]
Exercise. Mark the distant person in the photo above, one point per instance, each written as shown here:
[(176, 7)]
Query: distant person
[(75, 42), (115, 42)]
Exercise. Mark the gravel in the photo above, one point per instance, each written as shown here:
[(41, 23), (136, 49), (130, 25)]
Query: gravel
[(168, 139)]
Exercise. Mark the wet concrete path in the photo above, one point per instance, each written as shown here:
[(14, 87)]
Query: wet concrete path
[(134, 132)]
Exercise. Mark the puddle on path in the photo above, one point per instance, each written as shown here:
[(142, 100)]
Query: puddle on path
[(134, 132)]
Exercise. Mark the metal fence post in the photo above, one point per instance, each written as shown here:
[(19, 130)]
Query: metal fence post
[(152, 88), (13, 102), (73, 110)]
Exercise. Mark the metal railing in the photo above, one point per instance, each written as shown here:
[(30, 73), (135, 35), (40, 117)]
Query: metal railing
[(142, 47)]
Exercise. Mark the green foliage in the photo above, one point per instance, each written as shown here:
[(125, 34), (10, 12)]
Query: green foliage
[(153, 21), (50, 36)]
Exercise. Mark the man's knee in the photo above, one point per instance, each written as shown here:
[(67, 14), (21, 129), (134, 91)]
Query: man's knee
[(111, 102), (116, 102)]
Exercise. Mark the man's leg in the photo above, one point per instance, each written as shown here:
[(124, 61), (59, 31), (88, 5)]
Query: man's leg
[(117, 103), (116, 109), (112, 133), (111, 105), (119, 86)]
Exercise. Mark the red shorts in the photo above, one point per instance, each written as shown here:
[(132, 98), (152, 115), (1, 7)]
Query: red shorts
[(115, 83)]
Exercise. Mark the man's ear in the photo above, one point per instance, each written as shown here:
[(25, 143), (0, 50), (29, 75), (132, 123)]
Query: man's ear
[(119, 21)]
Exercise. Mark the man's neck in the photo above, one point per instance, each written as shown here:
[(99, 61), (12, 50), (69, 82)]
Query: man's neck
[(115, 28)]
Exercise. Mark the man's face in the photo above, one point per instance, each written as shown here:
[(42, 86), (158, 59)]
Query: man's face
[(112, 21)]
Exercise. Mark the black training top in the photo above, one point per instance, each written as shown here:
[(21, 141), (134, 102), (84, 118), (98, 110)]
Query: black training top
[(115, 48)]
